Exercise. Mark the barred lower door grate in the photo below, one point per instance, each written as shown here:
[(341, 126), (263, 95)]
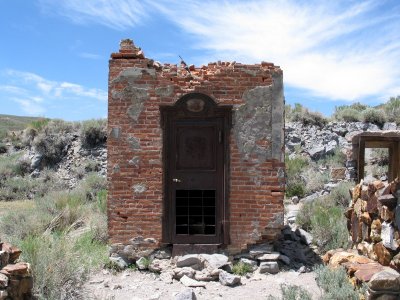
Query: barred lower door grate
[(195, 212)]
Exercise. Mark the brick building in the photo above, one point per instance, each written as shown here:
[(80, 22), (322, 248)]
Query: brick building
[(195, 154)]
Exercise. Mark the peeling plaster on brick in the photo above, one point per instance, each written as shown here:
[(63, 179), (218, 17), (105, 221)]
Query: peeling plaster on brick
[(139, 188), (116, 169), (165, 91), (256, 235), (135, 161), (276, 220), (253, 123), (134, 73), (115, 132), (134, 142), (278, 120)]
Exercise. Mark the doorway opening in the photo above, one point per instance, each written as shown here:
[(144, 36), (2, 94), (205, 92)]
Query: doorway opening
[(195, 157)]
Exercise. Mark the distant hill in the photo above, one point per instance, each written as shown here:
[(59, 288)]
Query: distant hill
[(13, 123)]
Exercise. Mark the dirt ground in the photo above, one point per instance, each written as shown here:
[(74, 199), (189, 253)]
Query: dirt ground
[(137, 285)]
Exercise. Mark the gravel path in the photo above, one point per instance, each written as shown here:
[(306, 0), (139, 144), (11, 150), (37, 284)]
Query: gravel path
[(136, 285)]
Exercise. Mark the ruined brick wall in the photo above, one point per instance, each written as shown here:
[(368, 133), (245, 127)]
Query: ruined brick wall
[(137, 88)]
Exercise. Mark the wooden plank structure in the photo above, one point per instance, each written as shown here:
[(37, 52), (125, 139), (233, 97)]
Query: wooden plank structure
[(379, 139)]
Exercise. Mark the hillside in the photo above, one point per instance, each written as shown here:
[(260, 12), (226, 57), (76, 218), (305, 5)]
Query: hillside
[(13, 123)]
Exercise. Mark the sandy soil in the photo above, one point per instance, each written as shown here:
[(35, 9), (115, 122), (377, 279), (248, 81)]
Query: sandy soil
[(136, 285)]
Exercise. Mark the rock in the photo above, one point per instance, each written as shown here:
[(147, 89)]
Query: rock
[(187, 294), (185, 271), (17, 269), (382, 254), (3, 281), (295, 199), (159, 265), (341, 257), (4, 258), (364, 272), (304, 236), (162, 253), (271, 267), (386, 214), (3, 295), (316, 152), (167, 277), (285, 259), (395, 262), (205, 275), (386, 280), (389, 126), (250, 262), (188, 260), (36, 160), (269, 256), (189, 282), (338, 174), (142, 263), (13, 252), (228, 279), (387, 236), (214, 261), (397, 220), (260, 249), (119, 262)]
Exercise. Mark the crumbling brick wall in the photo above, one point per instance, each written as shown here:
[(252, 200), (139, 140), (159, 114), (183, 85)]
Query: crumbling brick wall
[(138, 86)]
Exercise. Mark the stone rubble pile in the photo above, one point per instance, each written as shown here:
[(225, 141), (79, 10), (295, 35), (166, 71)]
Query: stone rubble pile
[(16, 281), (318, 142), (291, 251), (374, 221), (382, 282)]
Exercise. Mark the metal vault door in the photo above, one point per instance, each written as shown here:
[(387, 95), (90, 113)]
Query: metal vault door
[(195, 166)]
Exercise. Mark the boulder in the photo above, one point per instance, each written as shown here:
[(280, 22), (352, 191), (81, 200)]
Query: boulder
[(271, 267), (274, 256), (17, 269), (316, 152), (228, 279), (383, 255), (159, 265), (120, 262), (4, 258), (214, 261), (188, 260), (142, 263), (167, 277), (189, 282), (304, 236), (385, 280), (185, 271), (187, 294), (3, 281), (260, 249), (205, 275)]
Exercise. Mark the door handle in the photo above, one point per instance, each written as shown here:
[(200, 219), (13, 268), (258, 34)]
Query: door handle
[(176, 180)]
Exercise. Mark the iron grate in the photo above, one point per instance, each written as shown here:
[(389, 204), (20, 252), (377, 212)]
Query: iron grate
[(195, 212)]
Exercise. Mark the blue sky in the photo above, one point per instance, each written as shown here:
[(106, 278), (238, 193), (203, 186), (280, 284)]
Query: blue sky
[(54, 54)]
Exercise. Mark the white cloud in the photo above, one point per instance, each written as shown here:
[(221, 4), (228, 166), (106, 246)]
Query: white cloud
[(90, 55), (342, 52), (34, 93), (117, 14)]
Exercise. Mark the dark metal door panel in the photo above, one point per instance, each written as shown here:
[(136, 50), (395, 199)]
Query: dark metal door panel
[(196, 178)]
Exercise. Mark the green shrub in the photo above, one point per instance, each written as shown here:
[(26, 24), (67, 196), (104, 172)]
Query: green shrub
[(335, 160), (294, 166), (65, 265), (392, 109), (39, 124), (335, 283), (242, 269), (301, 114), (92, 184), (93, 133), (328, 227), (340, 194), (8, 165), (102, 200), (17, 188), (348, 114), (375, 116), (294, 188), (3, 148), (324, 219), (314, 180), (294, 292)]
